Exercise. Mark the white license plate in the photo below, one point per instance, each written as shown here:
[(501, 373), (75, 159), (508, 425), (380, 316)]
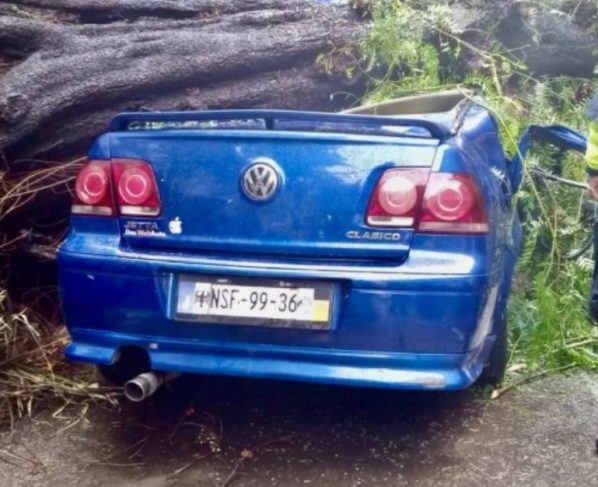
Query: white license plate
[(254, 302)]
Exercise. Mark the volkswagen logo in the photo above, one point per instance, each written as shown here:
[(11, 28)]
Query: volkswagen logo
[(260, 181)]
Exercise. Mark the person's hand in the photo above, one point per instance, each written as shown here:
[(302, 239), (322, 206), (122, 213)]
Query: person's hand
[(593, 186)]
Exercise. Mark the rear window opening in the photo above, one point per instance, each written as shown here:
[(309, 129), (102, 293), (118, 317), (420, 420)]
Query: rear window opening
[(281, 124), (431, 115), (350, 128), (234, 124)]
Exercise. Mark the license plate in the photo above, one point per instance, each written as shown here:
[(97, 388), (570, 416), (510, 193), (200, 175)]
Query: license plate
[(261, 302)]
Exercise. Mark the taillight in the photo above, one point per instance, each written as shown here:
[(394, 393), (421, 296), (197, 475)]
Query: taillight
[(397, 197), (93, 190), (452, 204), (128, 183), (430, 202), (136, 189)]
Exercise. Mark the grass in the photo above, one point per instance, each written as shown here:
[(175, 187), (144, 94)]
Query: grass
[(549, 322), (33, 370), (549, 326)]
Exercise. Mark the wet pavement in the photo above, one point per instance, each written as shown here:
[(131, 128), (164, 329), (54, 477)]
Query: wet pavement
[(216, 431)]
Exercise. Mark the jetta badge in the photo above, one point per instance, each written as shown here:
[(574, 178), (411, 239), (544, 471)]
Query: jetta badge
[(260, 181)]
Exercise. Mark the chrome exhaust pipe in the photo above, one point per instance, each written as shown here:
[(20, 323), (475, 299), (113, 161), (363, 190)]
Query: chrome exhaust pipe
[(144, 385)]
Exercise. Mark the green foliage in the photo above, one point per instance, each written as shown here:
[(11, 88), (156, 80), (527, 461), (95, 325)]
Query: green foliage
[(549, 324), (394, 42), (413, 45)]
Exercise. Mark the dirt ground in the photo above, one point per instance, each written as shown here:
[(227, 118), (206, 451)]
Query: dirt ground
[(214, 432)]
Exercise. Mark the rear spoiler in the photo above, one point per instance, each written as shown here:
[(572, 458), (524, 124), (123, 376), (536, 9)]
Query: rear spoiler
[(285, 120)]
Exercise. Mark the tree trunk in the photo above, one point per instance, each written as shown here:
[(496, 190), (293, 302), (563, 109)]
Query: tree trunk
[(67, 66), (557, 38)]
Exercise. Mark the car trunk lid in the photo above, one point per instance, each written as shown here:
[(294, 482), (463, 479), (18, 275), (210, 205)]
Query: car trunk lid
[(324, 182)]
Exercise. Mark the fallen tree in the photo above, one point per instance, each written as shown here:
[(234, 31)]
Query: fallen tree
[(67, 66), (548, 37), (73, 64)]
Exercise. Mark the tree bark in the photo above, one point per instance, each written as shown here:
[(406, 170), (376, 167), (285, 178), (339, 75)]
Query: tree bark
[(556, 38), (67, 66), (551, 42)]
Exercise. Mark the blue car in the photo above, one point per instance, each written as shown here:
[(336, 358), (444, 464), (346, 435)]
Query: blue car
[(373, 247)]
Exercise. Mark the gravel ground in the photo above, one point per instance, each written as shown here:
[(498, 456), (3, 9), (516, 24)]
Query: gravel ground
[(217, 431)]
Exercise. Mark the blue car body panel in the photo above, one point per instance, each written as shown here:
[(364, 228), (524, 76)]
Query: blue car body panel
[(417, 312)]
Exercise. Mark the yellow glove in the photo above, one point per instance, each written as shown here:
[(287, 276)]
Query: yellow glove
[(592, 152)]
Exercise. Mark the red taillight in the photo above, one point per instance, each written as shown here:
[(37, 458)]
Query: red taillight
[(93, 190), (396, 198), (137, 192), (134, 186), (452, 204), (444, 203), (449, 198), (132, 180)]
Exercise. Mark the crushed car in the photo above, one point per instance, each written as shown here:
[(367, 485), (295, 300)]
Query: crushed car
[(373, 247)]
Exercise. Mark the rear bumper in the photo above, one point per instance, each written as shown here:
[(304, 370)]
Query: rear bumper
[(384, 370), (397, 327)]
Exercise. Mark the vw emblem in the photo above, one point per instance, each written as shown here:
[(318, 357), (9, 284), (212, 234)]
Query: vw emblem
[(260, 181)]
